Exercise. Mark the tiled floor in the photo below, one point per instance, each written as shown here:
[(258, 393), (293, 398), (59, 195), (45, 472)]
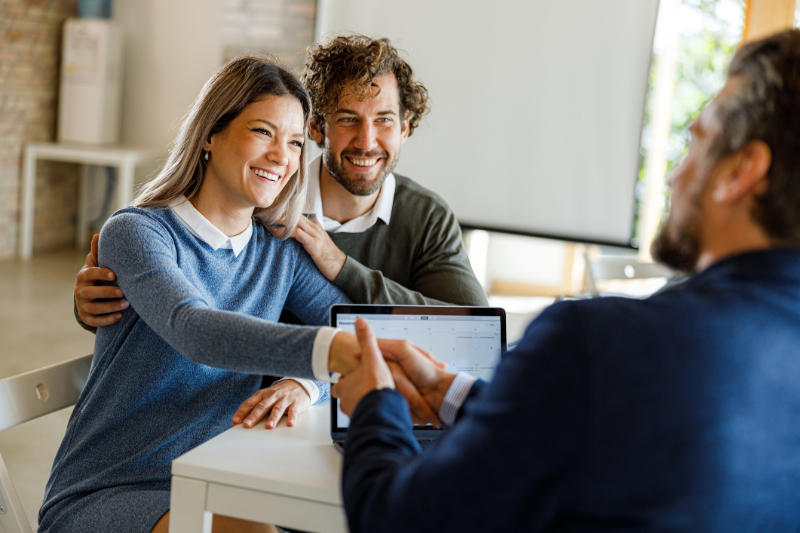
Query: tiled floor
[(37, 329)]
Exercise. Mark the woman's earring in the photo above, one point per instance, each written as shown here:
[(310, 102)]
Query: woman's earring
[(205, 155)]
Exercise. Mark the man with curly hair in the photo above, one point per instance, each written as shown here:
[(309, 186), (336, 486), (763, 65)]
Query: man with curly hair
[(379, 236)]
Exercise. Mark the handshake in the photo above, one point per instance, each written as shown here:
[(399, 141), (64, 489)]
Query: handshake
[(384, 364)]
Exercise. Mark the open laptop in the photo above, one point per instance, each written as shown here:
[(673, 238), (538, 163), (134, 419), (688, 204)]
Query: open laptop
[(468, 339)]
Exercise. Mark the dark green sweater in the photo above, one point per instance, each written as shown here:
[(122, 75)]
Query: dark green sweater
[(417, 259)]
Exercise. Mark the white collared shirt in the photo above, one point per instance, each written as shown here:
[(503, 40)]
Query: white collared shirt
[(454, 398), (199, 226), (203, 229), (381, 210)]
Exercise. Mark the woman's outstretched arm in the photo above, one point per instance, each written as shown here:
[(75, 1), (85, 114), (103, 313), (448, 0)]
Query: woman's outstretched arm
[(143, 254)]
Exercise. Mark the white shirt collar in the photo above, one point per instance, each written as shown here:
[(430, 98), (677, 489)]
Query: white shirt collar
[(200, 227), (381, 210)]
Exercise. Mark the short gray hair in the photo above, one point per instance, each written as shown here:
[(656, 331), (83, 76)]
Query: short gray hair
[(766, 107)]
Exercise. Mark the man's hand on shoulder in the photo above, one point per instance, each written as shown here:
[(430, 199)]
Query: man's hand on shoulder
[(326, 255), (87, 293)]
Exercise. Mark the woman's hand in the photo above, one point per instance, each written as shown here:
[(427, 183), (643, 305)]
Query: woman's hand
[(283, 397), (344, 353)]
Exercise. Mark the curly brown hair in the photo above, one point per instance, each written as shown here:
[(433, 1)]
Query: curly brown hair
[(359, 59)]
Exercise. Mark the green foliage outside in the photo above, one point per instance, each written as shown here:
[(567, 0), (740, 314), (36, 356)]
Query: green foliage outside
[(708, 33)]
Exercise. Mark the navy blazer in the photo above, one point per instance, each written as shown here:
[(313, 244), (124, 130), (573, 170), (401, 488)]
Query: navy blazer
[(680, 412)]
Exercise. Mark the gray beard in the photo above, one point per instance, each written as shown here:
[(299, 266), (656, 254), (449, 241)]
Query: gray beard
[(679, 249), (678, 243)]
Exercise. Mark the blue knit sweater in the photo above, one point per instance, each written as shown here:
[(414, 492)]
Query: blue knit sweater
[(171, 373)]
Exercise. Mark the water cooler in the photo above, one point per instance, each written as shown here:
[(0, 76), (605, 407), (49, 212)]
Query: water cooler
[(91, 82)]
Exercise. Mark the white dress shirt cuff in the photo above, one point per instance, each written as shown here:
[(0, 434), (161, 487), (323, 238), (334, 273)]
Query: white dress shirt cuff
[(321, 353), (455, 397), (310, 387)]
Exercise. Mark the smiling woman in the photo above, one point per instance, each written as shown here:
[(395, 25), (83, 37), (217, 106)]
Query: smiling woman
[(250, 162), (240, 99), (207, 271)]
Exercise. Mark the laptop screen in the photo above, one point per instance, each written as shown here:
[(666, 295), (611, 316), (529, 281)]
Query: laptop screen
[(468, 339)]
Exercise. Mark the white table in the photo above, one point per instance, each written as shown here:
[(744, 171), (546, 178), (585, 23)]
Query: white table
[(285, 476), (125, 159)]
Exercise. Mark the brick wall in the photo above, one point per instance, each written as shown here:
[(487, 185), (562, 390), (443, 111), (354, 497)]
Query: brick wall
[(283, 28), (30, 47), (30, 44)]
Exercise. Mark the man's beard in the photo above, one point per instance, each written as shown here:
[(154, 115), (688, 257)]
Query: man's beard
[(676, 246), (354, 185), (678, 243)]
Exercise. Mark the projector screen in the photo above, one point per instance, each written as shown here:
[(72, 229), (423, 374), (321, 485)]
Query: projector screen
[(536, 106)]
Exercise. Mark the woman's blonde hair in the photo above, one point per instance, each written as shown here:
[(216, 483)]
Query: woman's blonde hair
[(238, 83)]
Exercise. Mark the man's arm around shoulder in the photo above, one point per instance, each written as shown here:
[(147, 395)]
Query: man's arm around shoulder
[(96, 305)]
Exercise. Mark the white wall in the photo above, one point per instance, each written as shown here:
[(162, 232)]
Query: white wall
[(525, 260), (171, 49), (536, 106)]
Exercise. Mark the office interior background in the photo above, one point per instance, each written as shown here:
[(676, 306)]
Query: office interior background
[(170, 50)]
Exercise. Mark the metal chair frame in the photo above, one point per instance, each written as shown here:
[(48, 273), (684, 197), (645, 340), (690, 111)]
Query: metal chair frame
[(610, 268), (24, 398)]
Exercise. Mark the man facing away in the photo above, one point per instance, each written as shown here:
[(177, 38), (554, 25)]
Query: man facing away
[(378, 236), (675, 413)]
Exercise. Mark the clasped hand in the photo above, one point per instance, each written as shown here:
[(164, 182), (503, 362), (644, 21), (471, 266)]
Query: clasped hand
[(400, 364), (365, 363)]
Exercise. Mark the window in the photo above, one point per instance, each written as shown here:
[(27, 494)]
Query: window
[(695, 40)]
